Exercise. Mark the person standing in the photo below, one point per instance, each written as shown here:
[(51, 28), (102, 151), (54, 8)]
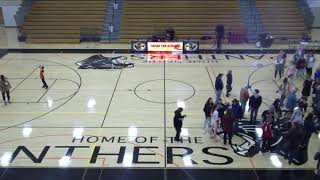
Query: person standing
[(229, 83), (300, 66), (310, 64), (293, 141), (5, 87), (284, 60), (227, 126), (317, 74), (316, 99), (265, 116), (297, 115), (292, 100), (254, 104), (283, 89), (214, 122), (300, 63), (266, 135), (307, 85), (302, 102), (219, 35), (207, 112), (278, 66), (276, 113), (221, 108), (291, 74), (237, 113), (218, 87), (298, 55), (317, 158), (42, 77), (244, 96), (308, 128), (177, 122)]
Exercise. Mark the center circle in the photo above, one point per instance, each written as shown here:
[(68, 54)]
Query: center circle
[(175, 90)]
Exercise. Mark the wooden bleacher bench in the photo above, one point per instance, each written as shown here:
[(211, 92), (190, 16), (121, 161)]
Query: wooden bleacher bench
[(64, 21), (281, 19), (190, 19)]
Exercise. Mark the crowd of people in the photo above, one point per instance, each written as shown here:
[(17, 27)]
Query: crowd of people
[(288, 109)]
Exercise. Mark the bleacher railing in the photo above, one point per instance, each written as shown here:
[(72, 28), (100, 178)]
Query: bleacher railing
[(88, 34), (110, 21), (306, 12), (255, 16), (22, 12), (20, 16)]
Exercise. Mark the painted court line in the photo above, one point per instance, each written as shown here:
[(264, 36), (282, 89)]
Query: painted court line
[(114, 90), (24, 79), (47, 90)]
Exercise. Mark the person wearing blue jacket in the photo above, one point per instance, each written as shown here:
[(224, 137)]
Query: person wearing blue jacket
[(237, 113), (218, 87), (291, 100)]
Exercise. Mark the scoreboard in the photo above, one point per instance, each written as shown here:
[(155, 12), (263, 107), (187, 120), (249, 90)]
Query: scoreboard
[(185, 46)]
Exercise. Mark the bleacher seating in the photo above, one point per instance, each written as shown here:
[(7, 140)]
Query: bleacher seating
[(64, 21), (189, 18), (281, 19)]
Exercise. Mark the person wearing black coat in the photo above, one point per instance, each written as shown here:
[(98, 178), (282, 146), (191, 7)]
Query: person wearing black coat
[(218, 86), (254, 104), (207, 112), (219, 35), (302, 102), (221, 108), (177, 122), (294, 139), (308, 128), (307, 84), (229, 83)]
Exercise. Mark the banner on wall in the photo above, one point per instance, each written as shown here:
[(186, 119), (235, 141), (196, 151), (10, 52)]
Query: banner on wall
[(165, 46)]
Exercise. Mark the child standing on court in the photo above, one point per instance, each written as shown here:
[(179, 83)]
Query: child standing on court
[(266, 135), (42, 77)]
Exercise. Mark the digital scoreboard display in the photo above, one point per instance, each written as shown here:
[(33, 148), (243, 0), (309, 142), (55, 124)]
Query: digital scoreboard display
[(165, 46), (182, 47)]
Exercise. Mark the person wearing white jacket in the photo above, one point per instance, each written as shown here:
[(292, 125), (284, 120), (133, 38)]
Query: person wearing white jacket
[(214, 123), (297, 115)]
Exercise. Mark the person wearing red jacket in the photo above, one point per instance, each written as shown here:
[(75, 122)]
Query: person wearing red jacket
[(227, 126), (266, 135), (42, 77)]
